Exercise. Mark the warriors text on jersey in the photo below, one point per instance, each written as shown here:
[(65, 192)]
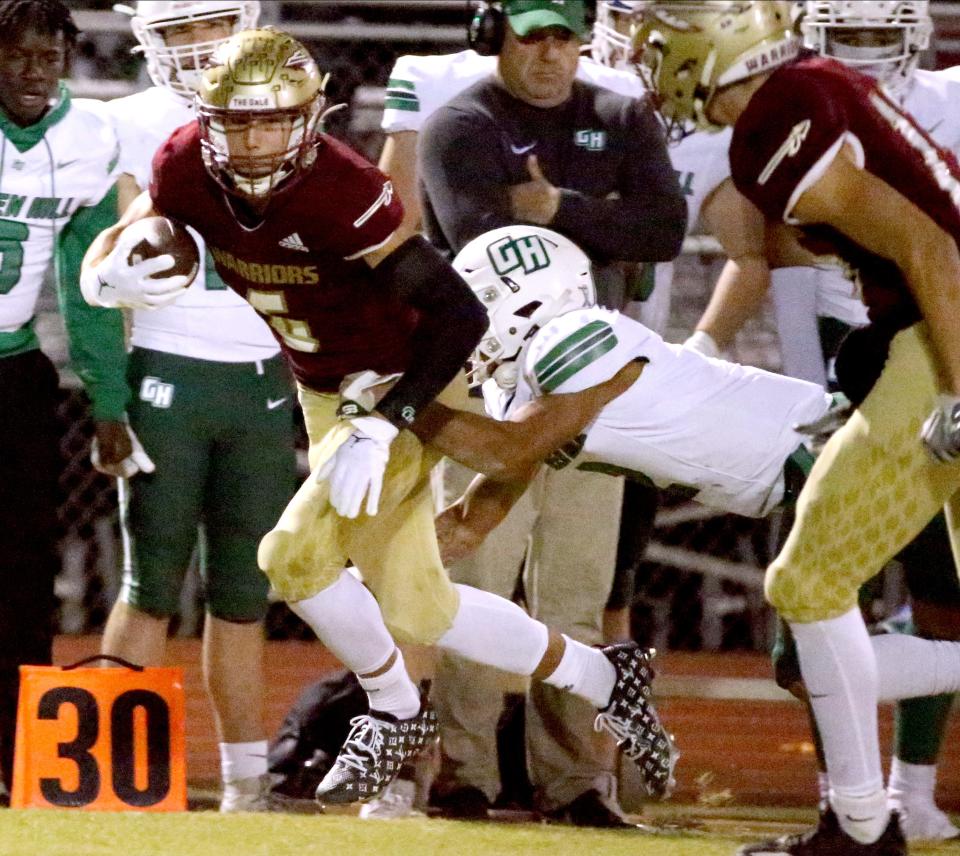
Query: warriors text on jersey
[(209, 322), (792, 129), (722, 429), (300, 267)]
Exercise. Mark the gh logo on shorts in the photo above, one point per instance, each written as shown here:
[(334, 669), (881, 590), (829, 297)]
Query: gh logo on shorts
[(155, 391), (528, 253)]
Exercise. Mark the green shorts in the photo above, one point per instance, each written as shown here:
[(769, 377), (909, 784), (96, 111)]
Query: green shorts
[(221, 436)]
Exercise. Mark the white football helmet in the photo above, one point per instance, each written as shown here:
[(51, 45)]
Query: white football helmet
[(525, 276), (882, 38), (612, 43), (178, 68)]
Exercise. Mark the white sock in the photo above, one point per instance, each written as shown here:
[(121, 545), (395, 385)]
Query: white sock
[(490, 629), (863, 817), (910, 667), (911, 783), (840, 672), (823, 785), (585, 672), (242, 760), (347, 620), (392, 692)]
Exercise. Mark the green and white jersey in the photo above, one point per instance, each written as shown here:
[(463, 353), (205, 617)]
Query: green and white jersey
[(56, 193), (418, 85), (210, 321), (702, 165), (721, 429)]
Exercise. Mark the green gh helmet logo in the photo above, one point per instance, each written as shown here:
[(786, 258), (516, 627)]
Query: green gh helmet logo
[(528, 253)]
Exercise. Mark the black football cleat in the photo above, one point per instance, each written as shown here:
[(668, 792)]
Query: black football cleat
[(828, 839), (633, 721)]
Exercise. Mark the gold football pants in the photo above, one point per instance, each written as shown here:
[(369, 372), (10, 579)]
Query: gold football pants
[(396, 550), (871, 491)]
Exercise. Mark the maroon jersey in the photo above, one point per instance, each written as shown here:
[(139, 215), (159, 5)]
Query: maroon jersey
[(793, 127), (300, 267)]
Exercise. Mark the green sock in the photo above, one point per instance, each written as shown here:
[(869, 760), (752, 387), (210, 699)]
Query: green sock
[(920, 727)]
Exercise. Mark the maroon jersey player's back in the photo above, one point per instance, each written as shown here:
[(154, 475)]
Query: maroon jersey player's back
[(793, 127), (300, 267)]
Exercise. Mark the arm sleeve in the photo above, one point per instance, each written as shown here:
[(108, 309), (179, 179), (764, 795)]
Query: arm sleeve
[(648, 219), (451, 323), (96, 336), (403, 108), (469, 194), (787, 137)]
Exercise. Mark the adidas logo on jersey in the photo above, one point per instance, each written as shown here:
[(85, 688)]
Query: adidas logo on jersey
[(293, 242)]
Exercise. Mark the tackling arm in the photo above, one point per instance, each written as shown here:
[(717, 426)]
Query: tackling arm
[(462, 526), (511, 451)]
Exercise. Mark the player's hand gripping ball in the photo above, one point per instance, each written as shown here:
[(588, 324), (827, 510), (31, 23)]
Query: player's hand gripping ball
[(154, 261), (160, 236)]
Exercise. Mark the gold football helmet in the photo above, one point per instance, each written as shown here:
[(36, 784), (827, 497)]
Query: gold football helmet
[(688, 50), (260, 77)]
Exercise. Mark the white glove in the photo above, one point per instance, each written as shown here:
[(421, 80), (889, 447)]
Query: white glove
[(356, 469), (117, 283), (702, 342), (138, 461), (941, 431)]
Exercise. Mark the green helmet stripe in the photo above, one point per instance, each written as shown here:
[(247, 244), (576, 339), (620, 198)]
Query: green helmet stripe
[(574, 353)]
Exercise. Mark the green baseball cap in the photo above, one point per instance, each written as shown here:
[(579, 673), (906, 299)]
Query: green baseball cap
[(525, 16)]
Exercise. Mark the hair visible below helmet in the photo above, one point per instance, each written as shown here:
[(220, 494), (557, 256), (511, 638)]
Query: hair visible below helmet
[(259, 75), (524, 276), (901, 30), (688, 50), (178, 68), (45, 16), (613, 31)]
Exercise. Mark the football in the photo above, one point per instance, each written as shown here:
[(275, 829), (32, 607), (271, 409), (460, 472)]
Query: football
[(159, 236)]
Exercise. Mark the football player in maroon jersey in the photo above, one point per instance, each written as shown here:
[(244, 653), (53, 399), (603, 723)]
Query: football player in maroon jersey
[(374, 326), (818, 145)]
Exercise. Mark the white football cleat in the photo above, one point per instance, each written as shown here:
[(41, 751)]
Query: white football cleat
[(395, 801), (923, 821)]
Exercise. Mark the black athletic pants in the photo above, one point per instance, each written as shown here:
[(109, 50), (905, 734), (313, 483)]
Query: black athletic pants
[(30, 466)]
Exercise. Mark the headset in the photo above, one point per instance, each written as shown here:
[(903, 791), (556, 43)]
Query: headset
[(486, 31)]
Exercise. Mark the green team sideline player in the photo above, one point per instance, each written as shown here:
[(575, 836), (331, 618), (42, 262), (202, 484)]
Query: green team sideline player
[(58, 165)]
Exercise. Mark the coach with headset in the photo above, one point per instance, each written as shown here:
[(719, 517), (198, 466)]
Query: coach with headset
[(532, 144)]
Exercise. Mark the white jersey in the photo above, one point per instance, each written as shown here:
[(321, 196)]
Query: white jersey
[(48, 171), (418, 85), (721, 429), (210, 321), (702, 165)]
